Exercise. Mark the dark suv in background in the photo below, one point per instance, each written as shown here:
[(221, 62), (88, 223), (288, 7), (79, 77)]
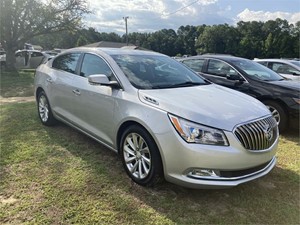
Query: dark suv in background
[(278, 94)]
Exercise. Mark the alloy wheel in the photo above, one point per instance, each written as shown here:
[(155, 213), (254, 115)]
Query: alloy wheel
[(275, 113), (43, 108), (137, 156)]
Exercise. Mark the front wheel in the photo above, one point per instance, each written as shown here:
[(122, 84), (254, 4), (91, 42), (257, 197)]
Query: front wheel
[(278, 113), (140, 156), (44, 110)]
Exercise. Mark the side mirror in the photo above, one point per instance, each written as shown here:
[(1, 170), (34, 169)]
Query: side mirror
[(235, 77), (101, 79), (296, 73)]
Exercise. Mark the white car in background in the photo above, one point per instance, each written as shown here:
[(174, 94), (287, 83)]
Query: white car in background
[(30, 59), (2, 58), (285, 67)]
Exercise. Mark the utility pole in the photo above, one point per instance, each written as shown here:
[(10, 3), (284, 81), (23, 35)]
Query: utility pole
[(125, 18)]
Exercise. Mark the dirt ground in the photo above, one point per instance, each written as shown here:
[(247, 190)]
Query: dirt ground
[(16, 99)]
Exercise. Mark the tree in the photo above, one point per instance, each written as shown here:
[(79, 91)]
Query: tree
[(218, 39), (22, 20), (252, 41), (163, 41), (188, 35)]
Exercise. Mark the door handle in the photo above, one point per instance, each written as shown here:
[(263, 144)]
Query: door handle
[(76, 92), (49, 80)]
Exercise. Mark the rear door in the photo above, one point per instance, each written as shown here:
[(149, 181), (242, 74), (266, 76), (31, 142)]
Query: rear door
[(59, 85), (36, 59), (22, 58)]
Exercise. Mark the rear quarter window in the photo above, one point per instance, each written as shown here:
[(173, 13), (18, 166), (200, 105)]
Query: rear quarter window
[(194, 64), (67, 62)]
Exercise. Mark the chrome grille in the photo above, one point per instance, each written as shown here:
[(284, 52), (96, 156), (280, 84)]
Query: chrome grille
[(258, 135)]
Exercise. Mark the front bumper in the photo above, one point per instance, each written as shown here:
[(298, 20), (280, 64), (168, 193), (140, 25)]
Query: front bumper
[(228, 166)]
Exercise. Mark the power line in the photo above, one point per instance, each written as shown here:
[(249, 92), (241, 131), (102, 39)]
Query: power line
[(181, 8)]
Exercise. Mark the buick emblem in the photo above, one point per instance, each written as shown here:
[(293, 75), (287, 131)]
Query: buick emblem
[(268, 131)]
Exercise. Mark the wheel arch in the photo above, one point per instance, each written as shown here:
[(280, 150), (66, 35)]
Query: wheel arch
[(129, 123), (124, 126), (38, 91), (278, 101)]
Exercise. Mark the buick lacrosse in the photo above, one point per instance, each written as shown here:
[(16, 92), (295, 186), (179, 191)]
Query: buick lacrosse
[(164, 120)]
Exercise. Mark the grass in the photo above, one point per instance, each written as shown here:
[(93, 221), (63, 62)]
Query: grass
[(56, 175), (16, 84)]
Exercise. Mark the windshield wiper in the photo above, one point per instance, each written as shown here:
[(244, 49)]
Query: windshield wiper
[(184, 84)]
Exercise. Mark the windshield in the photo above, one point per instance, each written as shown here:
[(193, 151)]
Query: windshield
[(256, 70), (297, 63), (155, 72)]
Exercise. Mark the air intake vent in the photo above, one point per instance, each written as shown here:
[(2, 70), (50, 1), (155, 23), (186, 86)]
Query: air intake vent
[(258, 135), (151, 100)]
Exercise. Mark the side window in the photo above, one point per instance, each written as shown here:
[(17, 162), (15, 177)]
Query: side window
[(36, 54), (20, 54), (93, 64), (283, 68), (220, 68), (194, 64), (263, 63), (66, 62)]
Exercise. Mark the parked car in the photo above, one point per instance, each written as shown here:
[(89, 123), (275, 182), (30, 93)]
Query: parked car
[(285, 67), (278, 94), (161, 117), (51, 53), (2, 58), (30, 59)]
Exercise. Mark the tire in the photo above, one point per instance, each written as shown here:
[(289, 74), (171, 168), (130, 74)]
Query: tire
[(140, 156), (44, 110), (278, 113)]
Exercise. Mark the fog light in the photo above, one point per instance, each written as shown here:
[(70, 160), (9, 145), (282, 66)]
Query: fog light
[(203, 173)]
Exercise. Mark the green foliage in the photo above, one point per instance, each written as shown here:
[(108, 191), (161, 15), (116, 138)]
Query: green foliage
[(218, 39), (21, 20), (273, 38), (16, 84)]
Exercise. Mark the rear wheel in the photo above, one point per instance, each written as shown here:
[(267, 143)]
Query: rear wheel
[(278, 113), (140, 156), (44, 110)]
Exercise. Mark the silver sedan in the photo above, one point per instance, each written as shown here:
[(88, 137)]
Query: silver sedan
[(163, 119)]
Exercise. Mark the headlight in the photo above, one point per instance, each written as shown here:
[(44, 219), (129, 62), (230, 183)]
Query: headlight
[(196, 133)]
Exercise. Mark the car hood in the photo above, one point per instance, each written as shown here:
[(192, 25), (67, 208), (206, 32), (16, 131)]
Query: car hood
[(294, 85), (211, 105)]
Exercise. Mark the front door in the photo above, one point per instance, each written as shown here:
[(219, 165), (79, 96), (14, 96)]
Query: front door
[(94, 104), (218, 71)]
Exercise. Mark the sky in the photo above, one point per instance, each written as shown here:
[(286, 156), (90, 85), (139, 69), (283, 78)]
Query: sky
[(153, 15)]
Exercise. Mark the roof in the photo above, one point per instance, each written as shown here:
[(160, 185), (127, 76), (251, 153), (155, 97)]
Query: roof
[(107, 44), (213, 56), (277, 60), (114, 51)]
